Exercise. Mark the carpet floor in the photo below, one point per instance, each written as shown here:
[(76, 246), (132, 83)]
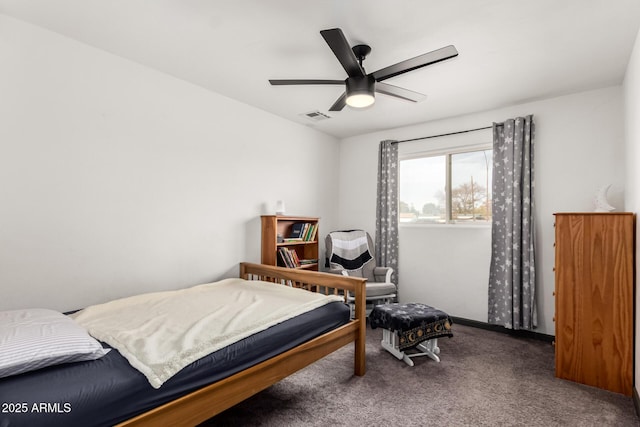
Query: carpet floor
[(484, 378)]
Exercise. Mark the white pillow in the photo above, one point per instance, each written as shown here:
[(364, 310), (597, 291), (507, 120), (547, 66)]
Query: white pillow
[(35, 338)]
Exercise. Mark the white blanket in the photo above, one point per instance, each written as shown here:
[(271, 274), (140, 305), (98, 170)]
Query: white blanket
[(161, 333)]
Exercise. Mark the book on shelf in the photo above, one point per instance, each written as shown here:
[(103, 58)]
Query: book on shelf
[(313, 232), (302, 232), (294, 256), (283, 258), (297, 230), (288, 258)]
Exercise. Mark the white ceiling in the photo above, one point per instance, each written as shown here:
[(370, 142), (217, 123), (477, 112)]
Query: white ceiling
[(511, 51)]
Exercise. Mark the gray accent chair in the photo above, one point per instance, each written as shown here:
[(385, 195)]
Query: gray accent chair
[(379, 288)]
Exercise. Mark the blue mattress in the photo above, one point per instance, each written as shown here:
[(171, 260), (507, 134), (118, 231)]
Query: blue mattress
[(108, 390)]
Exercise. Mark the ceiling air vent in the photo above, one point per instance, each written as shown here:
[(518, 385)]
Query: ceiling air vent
[(316, 116)]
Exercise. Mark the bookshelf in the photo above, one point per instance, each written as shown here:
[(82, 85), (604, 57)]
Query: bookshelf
[(300, 251)]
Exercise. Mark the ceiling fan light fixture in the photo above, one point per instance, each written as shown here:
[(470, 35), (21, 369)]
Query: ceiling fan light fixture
[(360, 91), (360, 100)]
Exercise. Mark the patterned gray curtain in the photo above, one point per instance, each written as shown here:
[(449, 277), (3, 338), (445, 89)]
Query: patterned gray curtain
[(512, 275), (387, 208)]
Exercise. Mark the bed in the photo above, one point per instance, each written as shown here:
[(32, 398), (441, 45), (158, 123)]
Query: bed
[(199, 391)]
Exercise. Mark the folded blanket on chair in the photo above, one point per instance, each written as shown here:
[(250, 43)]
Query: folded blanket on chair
[(350, 249)]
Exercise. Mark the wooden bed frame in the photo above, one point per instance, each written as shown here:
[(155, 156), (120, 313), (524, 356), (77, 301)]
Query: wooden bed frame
[(210, 400)]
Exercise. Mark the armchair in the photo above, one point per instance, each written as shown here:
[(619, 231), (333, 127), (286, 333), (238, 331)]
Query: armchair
[(351, 253)]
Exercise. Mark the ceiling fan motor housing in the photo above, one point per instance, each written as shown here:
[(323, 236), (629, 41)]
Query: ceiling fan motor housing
[(365, 85)]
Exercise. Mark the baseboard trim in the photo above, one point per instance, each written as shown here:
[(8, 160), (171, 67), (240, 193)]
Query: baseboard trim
[(636, 401), (495, 328)]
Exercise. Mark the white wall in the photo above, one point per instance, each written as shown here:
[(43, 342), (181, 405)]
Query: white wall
[(631, 88), (579, 148), (116, 179), (468, 252)]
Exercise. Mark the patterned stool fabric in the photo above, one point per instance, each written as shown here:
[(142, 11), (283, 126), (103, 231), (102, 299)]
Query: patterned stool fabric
[(413, 322)]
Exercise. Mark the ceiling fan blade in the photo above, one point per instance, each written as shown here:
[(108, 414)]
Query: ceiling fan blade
[(340, 103), (415, 63), (399, 92), (340, 47), (306, 82)]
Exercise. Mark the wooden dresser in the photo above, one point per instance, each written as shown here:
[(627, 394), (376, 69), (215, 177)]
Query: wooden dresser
[(594, 289)]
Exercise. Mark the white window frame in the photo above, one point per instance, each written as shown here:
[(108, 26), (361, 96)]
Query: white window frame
[(447, 152)]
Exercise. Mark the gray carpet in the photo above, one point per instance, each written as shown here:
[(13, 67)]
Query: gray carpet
[(484, 379)]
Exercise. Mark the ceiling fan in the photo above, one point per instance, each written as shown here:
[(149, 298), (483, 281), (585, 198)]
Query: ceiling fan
[(360, 87)]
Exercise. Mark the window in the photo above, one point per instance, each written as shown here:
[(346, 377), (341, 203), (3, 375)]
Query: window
[(452, 187)]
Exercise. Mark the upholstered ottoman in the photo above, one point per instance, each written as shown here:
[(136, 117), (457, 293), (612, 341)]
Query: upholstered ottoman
[(409, 326)]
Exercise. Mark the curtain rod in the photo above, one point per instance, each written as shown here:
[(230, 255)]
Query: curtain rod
[(443, 134)]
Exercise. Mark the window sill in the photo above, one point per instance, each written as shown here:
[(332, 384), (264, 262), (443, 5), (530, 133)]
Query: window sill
[(445, 225)]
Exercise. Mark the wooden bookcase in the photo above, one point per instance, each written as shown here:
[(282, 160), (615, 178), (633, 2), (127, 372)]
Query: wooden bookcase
[(594, 289), (274, 225)]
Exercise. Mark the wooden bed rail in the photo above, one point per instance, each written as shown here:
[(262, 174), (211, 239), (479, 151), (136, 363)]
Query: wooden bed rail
[(210, 400), (317, 282), (310, 280)]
